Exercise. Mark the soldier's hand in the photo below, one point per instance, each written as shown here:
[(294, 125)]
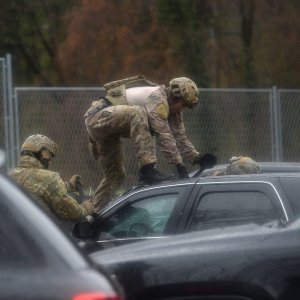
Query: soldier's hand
[(182, 171), (89, 206), (206, 161), (75, 181)]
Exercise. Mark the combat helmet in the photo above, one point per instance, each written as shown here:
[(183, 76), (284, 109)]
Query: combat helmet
[(242, 165), (35, 143), (185, 88)]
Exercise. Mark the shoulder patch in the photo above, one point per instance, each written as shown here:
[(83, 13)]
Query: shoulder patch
[(163, 111)]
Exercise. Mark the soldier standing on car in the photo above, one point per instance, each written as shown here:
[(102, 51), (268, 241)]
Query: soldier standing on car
[(47, 187), (136, 108)]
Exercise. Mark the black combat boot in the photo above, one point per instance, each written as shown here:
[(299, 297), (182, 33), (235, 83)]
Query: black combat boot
[(149, 175)]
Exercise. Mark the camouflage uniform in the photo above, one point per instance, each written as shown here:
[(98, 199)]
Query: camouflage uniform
[(138, 107), (169, 128), (239, 165), (49, 190)]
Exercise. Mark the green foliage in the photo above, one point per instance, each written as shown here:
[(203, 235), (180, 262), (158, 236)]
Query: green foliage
[(218, 43), (187, 20), (31, 30)]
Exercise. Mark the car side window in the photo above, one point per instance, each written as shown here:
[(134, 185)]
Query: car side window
[(219, 209), (146, 217)]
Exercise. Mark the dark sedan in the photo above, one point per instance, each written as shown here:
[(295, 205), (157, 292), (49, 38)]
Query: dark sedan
[(196, 204), (37, 260), (244, 262)]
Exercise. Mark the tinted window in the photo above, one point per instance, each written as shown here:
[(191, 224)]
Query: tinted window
[(220, 209), (146, 217), (17, 248)]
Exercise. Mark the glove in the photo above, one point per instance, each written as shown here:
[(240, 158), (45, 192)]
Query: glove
[(89, 206), (206, 161), (182, 171), (75, 182)]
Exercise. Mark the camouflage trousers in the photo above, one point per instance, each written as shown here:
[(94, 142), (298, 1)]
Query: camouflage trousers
[(107, 127)]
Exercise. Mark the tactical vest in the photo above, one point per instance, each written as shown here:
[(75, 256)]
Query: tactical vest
[(116, 90)]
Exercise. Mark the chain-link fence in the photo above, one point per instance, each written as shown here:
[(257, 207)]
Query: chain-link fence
[(2, 104), (263, 124), (227, 122), (290, 123), (58, 113)]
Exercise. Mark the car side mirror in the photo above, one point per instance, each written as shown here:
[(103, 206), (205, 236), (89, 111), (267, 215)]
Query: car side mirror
[(82, 230)]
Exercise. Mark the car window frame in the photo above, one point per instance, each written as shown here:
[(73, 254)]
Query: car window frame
[(264, 187), (184, 191), (290, 200)]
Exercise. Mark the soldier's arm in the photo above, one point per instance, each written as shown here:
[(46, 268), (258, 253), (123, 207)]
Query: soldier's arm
[(186, 148), (158, 111), (62, 204), (72, 184)]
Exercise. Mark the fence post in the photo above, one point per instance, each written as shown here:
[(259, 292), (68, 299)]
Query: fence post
[(276, 127), (5, 115), (11, 114)]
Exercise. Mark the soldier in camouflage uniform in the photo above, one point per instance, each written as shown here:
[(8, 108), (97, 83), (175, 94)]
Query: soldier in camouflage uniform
[(133, 108), (47, 187), (239, 165)]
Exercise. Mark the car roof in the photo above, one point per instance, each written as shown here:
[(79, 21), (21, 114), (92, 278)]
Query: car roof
[(250, 177), (266, 167)]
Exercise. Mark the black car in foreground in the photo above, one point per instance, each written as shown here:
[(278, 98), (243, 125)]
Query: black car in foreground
[(37, 260), (196, 204), (243, 262)]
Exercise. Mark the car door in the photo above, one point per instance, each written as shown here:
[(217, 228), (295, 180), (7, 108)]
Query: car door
[(233, 203), (150, 213)]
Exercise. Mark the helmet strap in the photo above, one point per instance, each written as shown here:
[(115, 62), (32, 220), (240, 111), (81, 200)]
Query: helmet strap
[(29, 153), (171, 97), (43, 160), (45, 157)]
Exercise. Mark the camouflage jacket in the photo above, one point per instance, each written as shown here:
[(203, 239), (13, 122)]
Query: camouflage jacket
[(169, 128), (49, 190)]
